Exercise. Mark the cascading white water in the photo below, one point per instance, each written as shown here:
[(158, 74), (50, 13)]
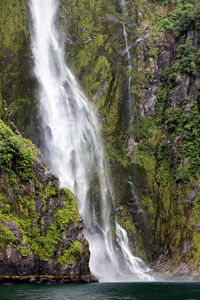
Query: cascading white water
[(122, 4), (73, 148)]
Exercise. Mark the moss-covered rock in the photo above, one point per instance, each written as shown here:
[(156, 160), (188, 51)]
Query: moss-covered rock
[(16, 81), (40, 226), (166, 129)]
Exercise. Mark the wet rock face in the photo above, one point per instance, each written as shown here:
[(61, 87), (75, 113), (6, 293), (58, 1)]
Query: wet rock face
[(169, 112), (179, 92), (13, 264), (167, 53), (41, 232), (149, 101)]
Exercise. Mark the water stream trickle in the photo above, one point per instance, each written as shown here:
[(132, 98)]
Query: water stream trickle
[(73, 149), (127, 52)]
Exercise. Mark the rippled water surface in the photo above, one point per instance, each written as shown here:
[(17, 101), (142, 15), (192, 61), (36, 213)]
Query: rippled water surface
[(112, 291)]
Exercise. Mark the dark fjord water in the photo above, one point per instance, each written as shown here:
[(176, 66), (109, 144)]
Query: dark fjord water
[(103, 291)]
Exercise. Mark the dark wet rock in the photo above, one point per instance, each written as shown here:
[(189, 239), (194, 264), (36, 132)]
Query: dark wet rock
[(164, 59), (111, 18), (175, 148), (193, 89), (149, 101), (180, 92), (193, 193), (42, 279), (101, 91), (131, 144)]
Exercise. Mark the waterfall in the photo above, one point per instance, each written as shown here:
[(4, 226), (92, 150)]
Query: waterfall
[(72, 148), (127, 52)]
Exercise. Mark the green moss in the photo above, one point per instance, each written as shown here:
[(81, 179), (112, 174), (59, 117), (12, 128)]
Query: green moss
[(195, 250), (6, 236), (92, 49), (126, 222), (15, 86), (23, 251), (13, 25), (68, 212), (173, 218), (182, 18), (6, 210), (13, 181), (71, 255), (149, 204), (38, 242), (38, 185), (186, 60), (146, 161), (16, 156), (51, 191)]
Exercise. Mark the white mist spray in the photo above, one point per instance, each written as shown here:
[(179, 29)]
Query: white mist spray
[(73, 148)]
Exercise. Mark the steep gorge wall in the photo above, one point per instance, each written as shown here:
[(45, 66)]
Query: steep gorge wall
[(156, 148), (166, 128)]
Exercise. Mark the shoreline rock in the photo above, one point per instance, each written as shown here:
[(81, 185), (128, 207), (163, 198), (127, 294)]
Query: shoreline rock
[(47, 279)]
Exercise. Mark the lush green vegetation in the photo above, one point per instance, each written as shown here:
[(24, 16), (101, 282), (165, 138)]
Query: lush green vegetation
[(71, 255), (6, 236), (16, 80), (17, 158), (168, 140), (184, 17)]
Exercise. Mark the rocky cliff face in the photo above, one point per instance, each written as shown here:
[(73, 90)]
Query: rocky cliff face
[(167, 131), (40, 227), (155, 147)]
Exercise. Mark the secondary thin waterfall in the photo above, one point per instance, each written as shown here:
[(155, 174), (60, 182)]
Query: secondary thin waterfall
[(127, 52), (73, 149)]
